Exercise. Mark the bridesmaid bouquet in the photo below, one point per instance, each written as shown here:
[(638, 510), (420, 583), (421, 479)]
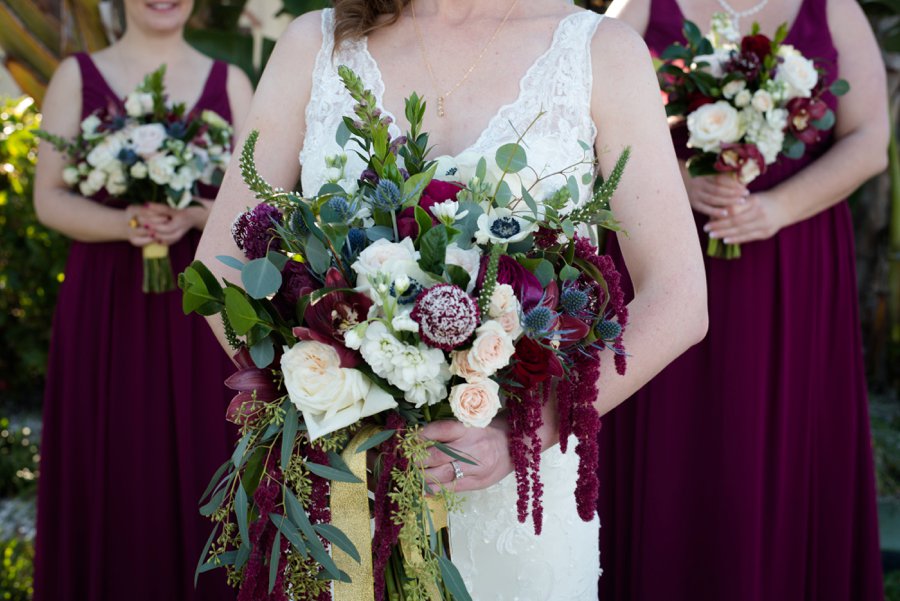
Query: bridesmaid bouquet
[(747, 101), (392, 298), (153, 152)]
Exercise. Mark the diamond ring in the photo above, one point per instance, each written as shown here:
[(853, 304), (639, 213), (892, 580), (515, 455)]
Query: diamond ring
[(457, 471)]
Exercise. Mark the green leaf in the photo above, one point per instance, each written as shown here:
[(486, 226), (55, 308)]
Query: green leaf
[(504, 194), (793, 148), (423, 219), (291, 421), (451, 452), (378, 232), (433, 249), (452, 580), (568, 228), (274, 560), (511, 158), (237, 457), (240, 311), (200, 563), (343, 135), (692, 33), (240, 511), (230, 261), (242, 556), (839, 87), (481, 169), (214, 503), (330, 473), (574, 190), (544, 273), (529, 200), (290, 532), (677, 51), (263, 353), (317, 255), (458, 276), (278, 259), (375, 440), (298, 516), (260, 278), (415, 185), (216, 479), (339, 539), (568, 273), (826, 122)]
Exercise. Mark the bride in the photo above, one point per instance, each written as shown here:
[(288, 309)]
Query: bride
[(487, 69)]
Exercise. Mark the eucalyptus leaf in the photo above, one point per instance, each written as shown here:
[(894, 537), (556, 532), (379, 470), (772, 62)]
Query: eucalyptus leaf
[(481, 169), (263, 353), (568, 273), (826, 122), (214, 503), (529, 201), (317, 255), (511, 157), (343, 135), (339, 539), (260, 278), (455, 454), (242, 556), (331, 473), (241, 511), (230, 261), (291, 422), (568, 228), (290, 532), (379, 232), (237, 457), (544, 273), (375, 440), (200, 563), (452, 580), (274, 560), (504, 194), (793, 148), (839, 87), (216, 479)]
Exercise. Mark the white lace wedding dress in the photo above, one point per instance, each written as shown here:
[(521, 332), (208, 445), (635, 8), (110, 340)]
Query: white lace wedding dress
[(499, 558)]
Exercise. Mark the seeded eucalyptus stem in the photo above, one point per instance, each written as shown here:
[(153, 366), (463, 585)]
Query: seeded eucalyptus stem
[(490, 279)]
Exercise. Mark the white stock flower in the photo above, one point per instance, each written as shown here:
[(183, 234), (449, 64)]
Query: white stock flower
[(148, 139), (492, 348), (412, 364), (329, 396), (378, 347), (743, 99), (70, 175), (733, 87), (428, 392), (712, 125), (402, 322), (469, 259), (475, 404), (138, 170), (90, 124), (161, 169), (799, 74), (763, 101), (502, 226), (183, 178)]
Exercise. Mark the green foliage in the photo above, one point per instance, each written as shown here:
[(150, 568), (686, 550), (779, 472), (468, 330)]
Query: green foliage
[(16, 570), (31, 257), (18, 460)]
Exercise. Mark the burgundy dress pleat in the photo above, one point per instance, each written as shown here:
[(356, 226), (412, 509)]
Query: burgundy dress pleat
[(133, 420), (743, 472)]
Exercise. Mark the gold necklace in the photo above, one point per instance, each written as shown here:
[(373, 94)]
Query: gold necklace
[(437, 85)]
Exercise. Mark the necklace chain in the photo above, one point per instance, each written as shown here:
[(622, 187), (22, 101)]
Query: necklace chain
[(434, 79), (737, 15)]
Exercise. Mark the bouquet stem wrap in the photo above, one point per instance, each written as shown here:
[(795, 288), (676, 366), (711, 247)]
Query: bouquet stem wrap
[(158, 276), (436, 509), (350, 513), (720, 250)]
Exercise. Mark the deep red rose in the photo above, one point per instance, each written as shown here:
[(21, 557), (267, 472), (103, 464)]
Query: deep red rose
[(435, 192), (329, 317), (249, 381), (738, 159), (801, 113), (695, 100), (758, 45), (532, 363), (524, 283)]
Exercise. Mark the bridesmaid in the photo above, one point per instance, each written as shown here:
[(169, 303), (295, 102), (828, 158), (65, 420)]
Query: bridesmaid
[(744, 470), (134, 407)]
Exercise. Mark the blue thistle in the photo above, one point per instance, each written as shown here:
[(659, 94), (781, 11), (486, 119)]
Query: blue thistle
[(608, 330), (356, 239), (341, 208), (538, 320), (297, 225), (386, 196), (573, 300)]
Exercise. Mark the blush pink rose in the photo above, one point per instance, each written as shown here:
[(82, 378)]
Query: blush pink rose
[(491, 349), (460, 366), (475, 404)]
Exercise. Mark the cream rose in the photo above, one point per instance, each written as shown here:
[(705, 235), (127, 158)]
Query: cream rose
[(71, 176), (763, 101), (378, 256), (743, 99), (329, 396), (511, 324), (733, 88), (475, 404), (491, 349), (459, 366), (147, 139), (117, 182), (138, 170), (799, 74), (161, 169), (712, 125), (503, 300), (138, 104)]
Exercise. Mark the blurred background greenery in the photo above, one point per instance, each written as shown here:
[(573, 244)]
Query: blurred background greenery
[(36, 34)]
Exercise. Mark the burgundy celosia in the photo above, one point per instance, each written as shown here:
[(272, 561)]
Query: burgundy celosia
[(255, 586), (525, 419), (386, 531)]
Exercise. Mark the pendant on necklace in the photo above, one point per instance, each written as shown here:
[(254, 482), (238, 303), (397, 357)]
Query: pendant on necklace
[(440, 106)]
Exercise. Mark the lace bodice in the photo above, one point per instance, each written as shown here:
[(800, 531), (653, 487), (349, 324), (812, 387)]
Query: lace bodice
[(558, 83), (499, 559)]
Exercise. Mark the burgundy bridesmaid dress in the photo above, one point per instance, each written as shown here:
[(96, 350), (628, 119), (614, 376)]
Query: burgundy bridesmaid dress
[(743, 472), (133, 420)]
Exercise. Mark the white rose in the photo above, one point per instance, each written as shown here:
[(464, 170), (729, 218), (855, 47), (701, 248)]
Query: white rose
[(138, 170), (105, 153), (799, 74), (71, 176), (393, 259), (492, 348), (712, 125), (743, 99), (763, 101), (161, 169), (183, 179), (469, 259), (733, 87), (503, 300), (147, 139), (329, 396), (475, 404)]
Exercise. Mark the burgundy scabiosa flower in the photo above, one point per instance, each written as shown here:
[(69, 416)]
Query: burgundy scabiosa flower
[(446, 315), (254, 230)]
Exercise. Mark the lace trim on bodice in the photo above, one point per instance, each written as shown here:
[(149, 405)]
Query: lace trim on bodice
[(558, 83)]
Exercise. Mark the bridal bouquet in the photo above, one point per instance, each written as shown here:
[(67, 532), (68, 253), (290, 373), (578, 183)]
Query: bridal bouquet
[(747, 101), (414, 291), (154, 152)]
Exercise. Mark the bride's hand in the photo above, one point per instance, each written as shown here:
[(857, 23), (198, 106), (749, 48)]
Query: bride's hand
[(488, 447)]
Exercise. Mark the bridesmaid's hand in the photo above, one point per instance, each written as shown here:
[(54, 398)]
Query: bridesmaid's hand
[(760, 218), (715, 195), (178, 222), (140, 224), (488, 447)]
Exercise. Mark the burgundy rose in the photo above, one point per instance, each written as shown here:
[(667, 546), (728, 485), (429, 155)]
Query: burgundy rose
[(533, 363), (249, 381), (745, 160), (297, 281), (695, 100), (757, 45), (329, 317), (801, 114), (524, 283), (435, 192)]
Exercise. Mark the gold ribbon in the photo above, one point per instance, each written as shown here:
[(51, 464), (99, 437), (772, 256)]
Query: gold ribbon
[(155, 251), (436, 510), (350, 513)]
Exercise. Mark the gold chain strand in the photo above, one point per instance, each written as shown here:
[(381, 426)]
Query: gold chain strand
[(437, 85)]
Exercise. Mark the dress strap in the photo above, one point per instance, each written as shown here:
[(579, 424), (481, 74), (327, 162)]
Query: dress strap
[(96, 93)]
